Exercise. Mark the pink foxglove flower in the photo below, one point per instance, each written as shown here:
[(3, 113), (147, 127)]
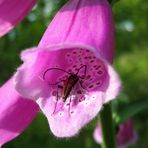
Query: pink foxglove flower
[(69, 74), (12, 12), (15, 112), (126, 135), (77, 50)]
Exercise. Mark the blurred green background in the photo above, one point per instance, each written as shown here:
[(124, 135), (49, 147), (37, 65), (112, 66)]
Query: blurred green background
[(131, 62)]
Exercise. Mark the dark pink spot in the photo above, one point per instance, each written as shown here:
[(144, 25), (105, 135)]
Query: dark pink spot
[(79, 92), (99, 72), (72, 112), (82, 98), (60, 114), (69, 70), (92, 61), (85, 57), (97, 67), (70, 60), (98, 83), (54, 93), (90, 79), (91, 86), (74, 52), (74, 66), (68, 104), (88, 76), (87, 50)]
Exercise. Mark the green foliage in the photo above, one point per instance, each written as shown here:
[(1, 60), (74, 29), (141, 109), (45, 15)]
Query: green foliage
[(129, 110)]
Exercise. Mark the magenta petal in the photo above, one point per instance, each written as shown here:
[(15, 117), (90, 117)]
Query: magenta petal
[(67, 118), (101, 82), (97, 134), (30, 73), (15, 113), (29, 77), (81, 34), (86, 22), (126, 134), (12, 12)]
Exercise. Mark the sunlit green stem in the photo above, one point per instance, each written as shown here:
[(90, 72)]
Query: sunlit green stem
[(108, 133)]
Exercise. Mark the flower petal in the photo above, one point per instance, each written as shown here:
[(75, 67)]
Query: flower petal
[(97, 134), (12, 12), (69, 74), (30, 74), (67, 118), (114, 84), (86, 22), (126, 135), (67, 122), (37, 79), (15, 113)]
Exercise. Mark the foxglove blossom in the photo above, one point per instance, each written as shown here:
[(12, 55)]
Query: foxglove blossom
[(80, 42), (15, 112), (126, 134), (12, 12)]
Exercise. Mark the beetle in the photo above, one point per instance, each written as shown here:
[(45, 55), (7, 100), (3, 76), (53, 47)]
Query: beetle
[(68, 84)]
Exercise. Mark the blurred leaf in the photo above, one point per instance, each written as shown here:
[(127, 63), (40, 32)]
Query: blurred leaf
[(129, 110), (112, 2)]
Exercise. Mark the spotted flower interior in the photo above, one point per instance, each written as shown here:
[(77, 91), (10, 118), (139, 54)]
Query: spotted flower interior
[(69, 84), (90, 73)]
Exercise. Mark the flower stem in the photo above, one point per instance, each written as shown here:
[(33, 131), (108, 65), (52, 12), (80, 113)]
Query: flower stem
[(108, 133)]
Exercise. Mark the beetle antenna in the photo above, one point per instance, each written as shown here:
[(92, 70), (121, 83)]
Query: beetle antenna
[(54, 69), (85, 69)]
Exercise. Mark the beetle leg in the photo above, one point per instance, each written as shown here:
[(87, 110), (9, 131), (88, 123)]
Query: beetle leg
[(69, 105), (81, 84), (85, 69), (57, 95)]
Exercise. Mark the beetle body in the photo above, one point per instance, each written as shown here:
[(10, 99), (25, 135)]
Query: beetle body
[(69, 83)]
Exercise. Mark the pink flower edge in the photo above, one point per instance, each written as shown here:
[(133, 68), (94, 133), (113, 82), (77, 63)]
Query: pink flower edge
[(16, 113), (29, 83), (125, 136), (18, 10)]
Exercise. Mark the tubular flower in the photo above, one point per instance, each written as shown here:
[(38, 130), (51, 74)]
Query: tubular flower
[(126, 135), (15, 112), (12, 12), (69, 74)]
